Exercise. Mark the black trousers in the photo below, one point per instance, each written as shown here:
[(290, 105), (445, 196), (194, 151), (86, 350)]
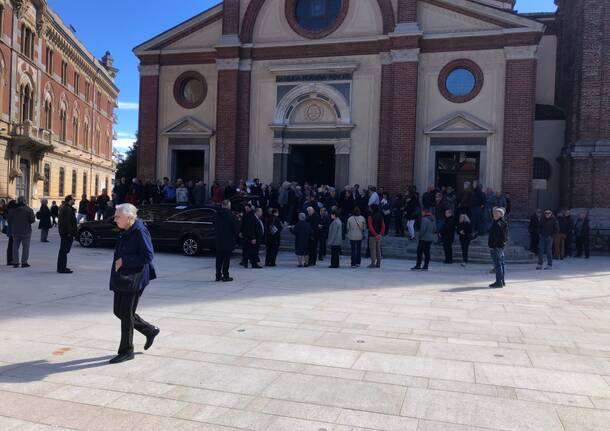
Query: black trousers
[(125, 305), (465, 243), (423, 251), (322, 248), (448, 248), (335, 252), (223, 260), (534, 240), (9, 251), (273, 248), (582, 244), (64, 249), (251, 254), (313, 251)]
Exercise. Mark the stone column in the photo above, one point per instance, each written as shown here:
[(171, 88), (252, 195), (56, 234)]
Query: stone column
[(281, 153), (519, 116), (148, 122), (342, 152), (226, 118)]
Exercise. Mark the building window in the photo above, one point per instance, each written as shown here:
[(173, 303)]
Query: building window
[(76, 83), (109, 108), (190, 89), (96, 142), (27, 41), (74, 180), (86, 136), (64, 72), (1, 19), (75, 131), (85, 191), (107, 186), (315, 19), (62, 178), (87, 91), (48, 114), (62, 124), (49, 58), (98, 100), (542, 169), (47, 179), (96, 191), (460, 81), (26, 104)]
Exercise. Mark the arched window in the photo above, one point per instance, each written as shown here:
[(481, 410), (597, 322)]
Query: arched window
[(27, 41), (85, 185), (48, 114), (74, 180), (62, 123), (26, 97), (96, 143), (86, 136), (97, 185), (75, 130), (62, 180)]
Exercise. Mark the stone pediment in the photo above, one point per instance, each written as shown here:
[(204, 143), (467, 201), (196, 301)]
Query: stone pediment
[(189, 126), (460, 124)]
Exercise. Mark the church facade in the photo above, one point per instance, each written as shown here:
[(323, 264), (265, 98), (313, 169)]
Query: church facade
[(384, 92)]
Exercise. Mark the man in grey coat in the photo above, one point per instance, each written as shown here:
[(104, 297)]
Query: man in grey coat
[(335, 239), (20, 220), (426, 236)]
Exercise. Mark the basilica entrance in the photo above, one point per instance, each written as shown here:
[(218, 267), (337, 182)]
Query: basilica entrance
[(314, 164), (189, 165)]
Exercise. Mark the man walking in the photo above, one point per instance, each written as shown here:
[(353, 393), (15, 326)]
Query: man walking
[(67, 232), (548, 229), (426, 236), (44, 220), (498, 237), (226, 232), (252, 236), (20, 220)]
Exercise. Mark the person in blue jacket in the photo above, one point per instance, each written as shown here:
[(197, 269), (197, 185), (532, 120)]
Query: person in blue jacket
[(133, 258)]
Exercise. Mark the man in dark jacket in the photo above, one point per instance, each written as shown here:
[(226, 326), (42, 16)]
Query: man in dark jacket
[(20, 221), (313, 218), (534, 230), (324, 225), (548, 229), (67, 232), (226, 232), (581, 233), (82, 209), (448, 236), (253, 233), (45, 223), (498, 237)]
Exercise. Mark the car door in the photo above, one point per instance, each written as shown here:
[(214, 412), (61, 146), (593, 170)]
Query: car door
[(156, 220), (107, 230), (196, 222)]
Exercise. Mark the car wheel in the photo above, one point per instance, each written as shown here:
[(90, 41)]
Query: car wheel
[(86, 238), (190, 246)]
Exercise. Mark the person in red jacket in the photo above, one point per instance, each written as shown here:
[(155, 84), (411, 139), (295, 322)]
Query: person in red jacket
[(377, 228), (217, 193)]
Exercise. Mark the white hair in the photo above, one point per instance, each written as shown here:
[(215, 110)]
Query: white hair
[(128, 209)]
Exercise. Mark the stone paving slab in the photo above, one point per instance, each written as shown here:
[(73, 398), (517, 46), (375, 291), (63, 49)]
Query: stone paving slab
[(307, 349)]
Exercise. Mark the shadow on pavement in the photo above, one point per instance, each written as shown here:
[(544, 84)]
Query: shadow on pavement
[(38, 370)]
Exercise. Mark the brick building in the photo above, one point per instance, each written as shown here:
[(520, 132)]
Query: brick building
[(56, 107), (387, 92)]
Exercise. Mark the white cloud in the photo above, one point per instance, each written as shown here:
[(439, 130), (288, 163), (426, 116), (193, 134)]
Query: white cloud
[(129, 106), (125, 135), (123, 144)]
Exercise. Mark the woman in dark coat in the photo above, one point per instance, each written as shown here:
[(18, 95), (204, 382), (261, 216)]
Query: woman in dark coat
[(302, 232), (133, 258), (45, 221), (274, 232)]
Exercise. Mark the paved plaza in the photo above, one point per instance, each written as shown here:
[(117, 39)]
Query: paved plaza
[(310, 349)]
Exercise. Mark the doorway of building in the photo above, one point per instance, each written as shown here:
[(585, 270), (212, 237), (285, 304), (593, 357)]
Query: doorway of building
[(453, 168), (189, 165), (314, 164), (22, 183)]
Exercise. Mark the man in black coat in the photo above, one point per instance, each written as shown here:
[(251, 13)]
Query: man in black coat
[(324, 226), (498, 238), (226, 232), (45, 223), (253, 233), (313, 218), (448, 236), (67, 231), (534, 230)]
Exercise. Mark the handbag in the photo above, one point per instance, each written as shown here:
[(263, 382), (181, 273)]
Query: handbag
[(126, 283)]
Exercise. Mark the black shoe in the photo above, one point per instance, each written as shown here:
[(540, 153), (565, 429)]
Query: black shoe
[(151, 338), (257, 266), (15, 265), (416, 268), (25, 265), (227, 279), (65, 271), (45, 241), (425, 268), (496, 285), (121, 358), (218, 278)]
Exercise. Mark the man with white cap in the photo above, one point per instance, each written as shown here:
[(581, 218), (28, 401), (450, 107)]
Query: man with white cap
[(498, 237)]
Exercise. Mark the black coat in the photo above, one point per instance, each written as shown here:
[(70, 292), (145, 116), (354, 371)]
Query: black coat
[(135, 249), (465, 231), (314, 222), (448, 230), (225, 230), (252, 229), (498, 234), (67, 221), (274, 239), (44, 215), (302, 231)]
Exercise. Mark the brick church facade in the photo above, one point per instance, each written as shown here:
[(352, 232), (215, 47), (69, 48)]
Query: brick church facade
[(387, 92)]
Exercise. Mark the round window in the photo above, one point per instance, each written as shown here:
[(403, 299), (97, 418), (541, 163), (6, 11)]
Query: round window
[(190, 89), (460, 81), (315, 18)]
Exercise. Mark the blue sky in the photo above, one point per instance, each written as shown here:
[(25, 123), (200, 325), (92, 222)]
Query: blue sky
[(120, 25)]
